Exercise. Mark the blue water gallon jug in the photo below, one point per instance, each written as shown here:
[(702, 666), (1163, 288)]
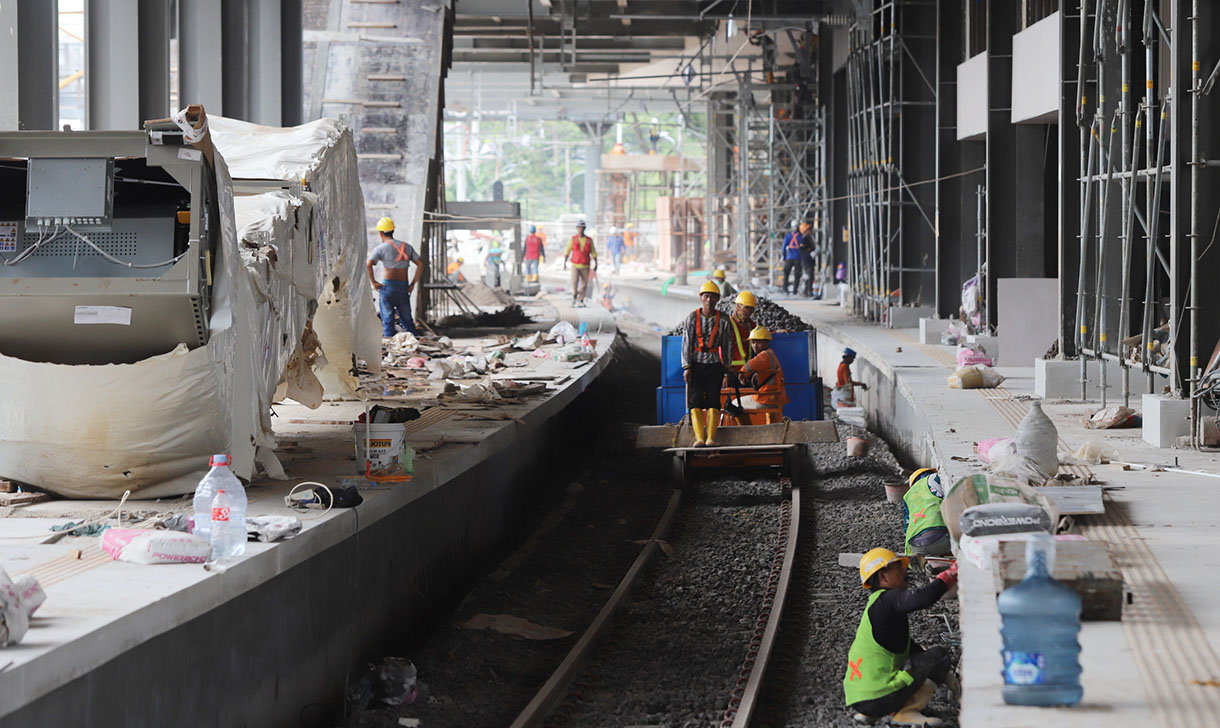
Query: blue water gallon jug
[(1041, 622)]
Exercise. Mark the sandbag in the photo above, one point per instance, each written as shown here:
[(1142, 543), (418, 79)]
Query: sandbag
[(1037, 442), (977, 376), (995, 518)]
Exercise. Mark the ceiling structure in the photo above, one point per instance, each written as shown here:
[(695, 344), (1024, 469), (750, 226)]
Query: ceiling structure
[(591, 60)]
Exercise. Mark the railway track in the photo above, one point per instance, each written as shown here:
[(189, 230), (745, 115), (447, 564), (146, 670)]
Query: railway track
[(737, 705)]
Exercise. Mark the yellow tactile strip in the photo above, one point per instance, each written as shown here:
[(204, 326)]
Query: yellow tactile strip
[(1171, 650), (67, 565)]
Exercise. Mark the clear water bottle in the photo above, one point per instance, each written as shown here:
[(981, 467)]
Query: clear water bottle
[(1041, 621), (222, 532), (220, 476)]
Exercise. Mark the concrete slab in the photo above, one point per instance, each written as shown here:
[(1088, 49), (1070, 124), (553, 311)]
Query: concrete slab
[(1059, 379), (1027, 311), (930, 330), (128, 644), (905, 317), (1165, 419)]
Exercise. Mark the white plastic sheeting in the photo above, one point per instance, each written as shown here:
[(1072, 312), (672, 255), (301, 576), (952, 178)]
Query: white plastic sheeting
[(95, 431)]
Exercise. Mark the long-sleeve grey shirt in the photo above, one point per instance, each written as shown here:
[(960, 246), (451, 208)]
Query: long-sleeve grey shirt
[(721, 352)]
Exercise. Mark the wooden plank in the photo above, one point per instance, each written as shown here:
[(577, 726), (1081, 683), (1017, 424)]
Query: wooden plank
[(781, 433), (21, 499), (1076, 500), (1083, 566)]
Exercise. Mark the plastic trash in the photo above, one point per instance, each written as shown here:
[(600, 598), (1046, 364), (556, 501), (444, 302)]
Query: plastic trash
[(969, 356), (995, 448), (273, 528), (1110, 418), (1041, 624), (15, 610), (394, 681), (562, 332), (1096, 452), (954, 333), (220, 476), (224, 541)]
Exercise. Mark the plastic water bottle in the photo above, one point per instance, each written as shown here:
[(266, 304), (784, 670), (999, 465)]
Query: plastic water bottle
[(222, 531), (1041, 621), (220, 476)]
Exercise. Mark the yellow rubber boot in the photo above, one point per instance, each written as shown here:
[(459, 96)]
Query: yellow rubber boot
[(910, 713), (713, 421), (696, 423)]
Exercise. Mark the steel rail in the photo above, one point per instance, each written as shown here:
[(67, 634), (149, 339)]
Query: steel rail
[(554, 689), (739, 715)]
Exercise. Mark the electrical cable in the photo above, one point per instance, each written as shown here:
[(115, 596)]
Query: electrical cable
[(42, 240), (301, 506), (116, 261)]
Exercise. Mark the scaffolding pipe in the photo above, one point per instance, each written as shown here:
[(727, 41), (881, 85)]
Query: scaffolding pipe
[(1082, 327), (1150, 246), (1103, 208), (1196, 156), (1128, 233)]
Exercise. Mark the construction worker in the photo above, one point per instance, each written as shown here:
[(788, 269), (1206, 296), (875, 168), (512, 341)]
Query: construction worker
[(764, 374), (495, 256), (630, 236), (843, 381), (580, 249), (742, 321), (726, 288), (535, 253), (792, 258), (887, 672), (454, 271), (808, 264), (926, 532), (706, 346), (395, 258), (616, 246)]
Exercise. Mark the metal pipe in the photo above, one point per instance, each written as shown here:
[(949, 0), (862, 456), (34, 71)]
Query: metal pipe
[(1128, 232), (1196, 155), (1082, 327), (1103, 207)]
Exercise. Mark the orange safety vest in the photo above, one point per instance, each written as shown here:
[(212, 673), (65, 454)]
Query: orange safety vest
[(710, 345), (771, 390)]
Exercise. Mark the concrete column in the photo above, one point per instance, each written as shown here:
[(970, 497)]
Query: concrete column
[(266, 64), (154, 58), (28, 64), (113, 73), (235, 58), (593, 162), (199, 62), (1070, 197), (292, 93)]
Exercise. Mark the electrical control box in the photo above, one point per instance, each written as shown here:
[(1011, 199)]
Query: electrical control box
[(107, 246)]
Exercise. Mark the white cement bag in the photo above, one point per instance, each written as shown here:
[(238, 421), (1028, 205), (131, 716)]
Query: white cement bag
[(1037, 442), (14, 615), (144, 546)]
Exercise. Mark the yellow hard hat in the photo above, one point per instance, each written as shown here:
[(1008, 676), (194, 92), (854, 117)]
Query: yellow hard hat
[(385, 225), (718, 273), (745, 298), (710, 287), (876, 560), (919, 474), (760, 333)]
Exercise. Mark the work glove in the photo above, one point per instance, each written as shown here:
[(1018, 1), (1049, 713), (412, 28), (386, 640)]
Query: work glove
[(949, 576)]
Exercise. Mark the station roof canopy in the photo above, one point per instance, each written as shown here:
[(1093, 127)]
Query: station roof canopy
[(590, 60)]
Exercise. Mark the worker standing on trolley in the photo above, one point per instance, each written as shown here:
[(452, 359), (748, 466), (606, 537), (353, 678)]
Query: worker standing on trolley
[(887, 672), (706, 348), (395, 258)]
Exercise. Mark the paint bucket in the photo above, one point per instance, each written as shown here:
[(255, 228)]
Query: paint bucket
[(857, 447), (895, 490), (384, 443)]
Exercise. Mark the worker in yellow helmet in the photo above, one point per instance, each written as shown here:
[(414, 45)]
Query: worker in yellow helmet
[(926, 532), (706, 350), (726, 288), (742, 322), (887, 672), (765, 375), (396, 258)]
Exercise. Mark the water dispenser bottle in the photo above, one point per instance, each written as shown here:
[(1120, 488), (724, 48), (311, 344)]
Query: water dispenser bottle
[(1041, 621)]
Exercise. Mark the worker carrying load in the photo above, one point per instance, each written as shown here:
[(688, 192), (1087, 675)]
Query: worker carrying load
[(706, 346), (580, 249), (844, 393), (742, 322), (395, 258), (726, 288), (765, 375), (926, 533), (887, 672)]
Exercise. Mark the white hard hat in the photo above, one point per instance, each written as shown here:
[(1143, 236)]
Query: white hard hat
[(613, 228)]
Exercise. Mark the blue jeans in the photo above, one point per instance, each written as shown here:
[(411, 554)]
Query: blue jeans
[(617, 257), (531, 266), (396, 298)]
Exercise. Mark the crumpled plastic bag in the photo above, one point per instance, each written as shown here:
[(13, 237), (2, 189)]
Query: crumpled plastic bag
[(531, 342), (394, 681), (403, 343), (969, 356), (995, 448), (562, 331), (18, 600), (1096, 452), (978, 376), (954, 333), (272, 528)]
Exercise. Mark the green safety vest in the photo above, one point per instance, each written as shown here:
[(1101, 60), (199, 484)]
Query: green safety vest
[(872, 670), (923, 510)]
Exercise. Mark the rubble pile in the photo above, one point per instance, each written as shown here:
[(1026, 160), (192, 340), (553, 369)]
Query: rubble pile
[(511, 315), (768, 313)]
